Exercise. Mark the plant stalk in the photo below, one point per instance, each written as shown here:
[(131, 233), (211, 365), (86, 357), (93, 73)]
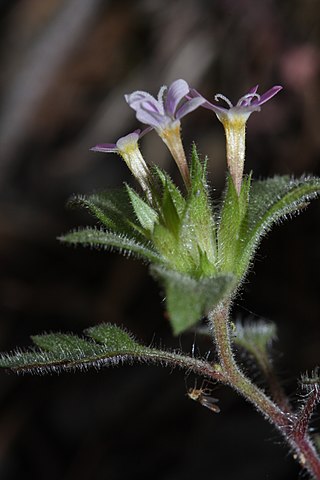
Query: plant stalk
[(300, 442)]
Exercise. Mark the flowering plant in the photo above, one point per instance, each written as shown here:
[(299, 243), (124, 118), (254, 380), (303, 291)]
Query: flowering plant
[(200, 254)]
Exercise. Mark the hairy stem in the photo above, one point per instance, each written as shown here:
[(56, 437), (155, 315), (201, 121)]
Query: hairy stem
[(285, 422), (275, 389)]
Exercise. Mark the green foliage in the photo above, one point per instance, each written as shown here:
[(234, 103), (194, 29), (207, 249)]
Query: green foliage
[(188, 299), (104, 345), (271, 200), (247, 218), (199, 254), (112, 209), (185, 235), (146, 215), (256, 338), (233, 212), (199, 219), (172, 190), (95, 238)]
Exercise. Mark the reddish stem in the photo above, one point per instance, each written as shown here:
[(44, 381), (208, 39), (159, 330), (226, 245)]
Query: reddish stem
[(294, 431)]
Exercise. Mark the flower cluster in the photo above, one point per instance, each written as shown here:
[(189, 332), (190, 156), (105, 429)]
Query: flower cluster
[(164, 113), (198, 251)]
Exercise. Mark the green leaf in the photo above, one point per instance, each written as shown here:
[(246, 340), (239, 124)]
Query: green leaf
[(146, 215), (198, 227), (233, 211), (171, 250), (110, 335), (170, 215), (256, 338), (271, 200), (105, 345), (174, 192), (112, 208), (189, 299), (63, 344), (93, 237)]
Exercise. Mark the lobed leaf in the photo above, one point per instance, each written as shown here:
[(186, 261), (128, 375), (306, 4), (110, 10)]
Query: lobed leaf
[(105, 345)]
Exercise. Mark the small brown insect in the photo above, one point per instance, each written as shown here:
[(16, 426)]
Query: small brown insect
[(203, 396)]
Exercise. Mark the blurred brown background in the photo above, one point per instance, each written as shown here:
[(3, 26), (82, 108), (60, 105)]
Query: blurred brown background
[(66, 65)]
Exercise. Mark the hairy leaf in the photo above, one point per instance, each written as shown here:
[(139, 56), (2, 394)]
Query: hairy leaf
[(172, 190), (270, 201), (112, 208), (234, 208), (188, 299), (198, 224), (93, 237), (146, 215), (104, 345), (255, 335)]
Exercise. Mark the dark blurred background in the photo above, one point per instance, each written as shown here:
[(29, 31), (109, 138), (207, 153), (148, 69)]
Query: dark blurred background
[(66, 65)]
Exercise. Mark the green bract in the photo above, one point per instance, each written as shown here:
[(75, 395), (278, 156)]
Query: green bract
[(199, 253)]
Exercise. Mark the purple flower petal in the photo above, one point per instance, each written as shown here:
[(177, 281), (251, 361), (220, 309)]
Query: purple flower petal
[(161, 92), (135, 100), (105, 147), (254, 89), (144, 132), (161, 113), (189, 106), (114, 147), (269, 94), (176, 92), (137, 96), (150, 117), (210, 106)]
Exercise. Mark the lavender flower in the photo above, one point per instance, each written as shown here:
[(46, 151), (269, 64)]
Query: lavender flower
[(164, 115), (234, 119), (127, 148)]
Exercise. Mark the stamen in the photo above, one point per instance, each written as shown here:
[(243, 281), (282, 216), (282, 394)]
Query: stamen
[(219, 96), (246, 100), (161, 93)]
